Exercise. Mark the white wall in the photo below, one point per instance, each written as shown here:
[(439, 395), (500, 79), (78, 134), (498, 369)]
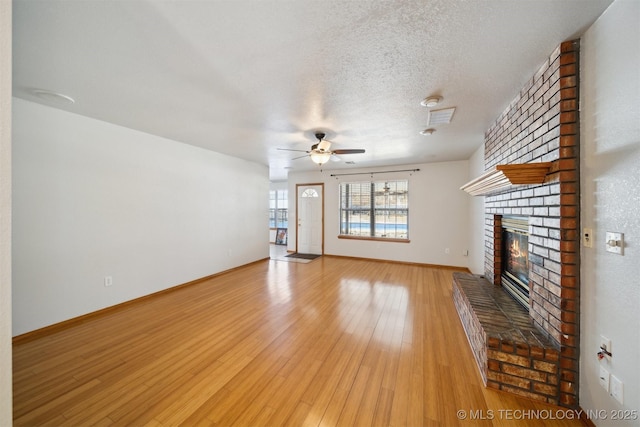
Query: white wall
[(476, 217), (92, 199), (6, 409), (610, 169), (278, 185), (438, 214)]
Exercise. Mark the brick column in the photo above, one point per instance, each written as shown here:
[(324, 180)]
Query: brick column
[(569, 176)]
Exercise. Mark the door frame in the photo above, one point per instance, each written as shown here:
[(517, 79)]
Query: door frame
[(321, 184)]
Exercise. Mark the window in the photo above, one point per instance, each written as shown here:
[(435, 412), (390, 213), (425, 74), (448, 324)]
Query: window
[(310, 192), (375, 209), (278, 205)]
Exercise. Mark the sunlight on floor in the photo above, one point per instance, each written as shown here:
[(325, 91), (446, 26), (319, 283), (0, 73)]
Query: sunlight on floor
[(279, 253), (386, 301)]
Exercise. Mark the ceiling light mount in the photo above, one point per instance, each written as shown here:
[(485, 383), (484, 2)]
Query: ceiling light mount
[(320, 153), (431, 101)]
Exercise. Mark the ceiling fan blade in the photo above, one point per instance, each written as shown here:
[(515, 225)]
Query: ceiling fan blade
[(289, 149), (349, 151), (300, 157)]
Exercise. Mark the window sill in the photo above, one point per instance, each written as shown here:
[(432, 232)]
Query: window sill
[(377, 239)]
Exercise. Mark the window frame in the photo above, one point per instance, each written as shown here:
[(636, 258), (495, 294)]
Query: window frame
[(372, 209), (278, 209)]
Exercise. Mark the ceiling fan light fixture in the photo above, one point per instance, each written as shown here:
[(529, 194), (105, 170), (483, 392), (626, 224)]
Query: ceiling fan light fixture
[(430, 101), (427, 132), (320, 157), (324, 145)]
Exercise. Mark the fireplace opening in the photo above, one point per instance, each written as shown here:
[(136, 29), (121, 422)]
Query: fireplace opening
[(515, 258)]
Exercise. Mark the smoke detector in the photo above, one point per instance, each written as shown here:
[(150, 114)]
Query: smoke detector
[(430, 101)]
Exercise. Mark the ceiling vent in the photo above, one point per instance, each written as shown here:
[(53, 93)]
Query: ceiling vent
[(441, 117)]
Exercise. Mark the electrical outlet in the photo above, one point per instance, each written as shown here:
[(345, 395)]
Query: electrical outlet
[(616, 389), (446, 250), (604, 378), (587, 237), (108, 280)]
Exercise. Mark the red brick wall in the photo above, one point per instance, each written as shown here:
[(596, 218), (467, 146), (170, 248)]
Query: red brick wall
[(511, 353), (541, 125)]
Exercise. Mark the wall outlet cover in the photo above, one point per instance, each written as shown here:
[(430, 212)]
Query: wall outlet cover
[(604, 378), (616, 389)]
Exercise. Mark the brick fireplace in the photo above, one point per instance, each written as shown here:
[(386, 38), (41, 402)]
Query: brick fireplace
[(540, 125)]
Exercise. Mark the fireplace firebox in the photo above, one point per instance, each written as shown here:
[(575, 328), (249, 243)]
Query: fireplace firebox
[(515, 258)]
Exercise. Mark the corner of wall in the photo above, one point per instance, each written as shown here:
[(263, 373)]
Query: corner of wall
[(6, 411), (476, 218)]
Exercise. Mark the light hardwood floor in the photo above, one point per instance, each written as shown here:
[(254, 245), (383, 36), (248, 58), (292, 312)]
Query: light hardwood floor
[(332, 342)]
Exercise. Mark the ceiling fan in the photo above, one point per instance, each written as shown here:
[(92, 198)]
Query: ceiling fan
[(320, 152)]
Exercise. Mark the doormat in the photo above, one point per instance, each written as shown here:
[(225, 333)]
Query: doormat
[(303, 256)]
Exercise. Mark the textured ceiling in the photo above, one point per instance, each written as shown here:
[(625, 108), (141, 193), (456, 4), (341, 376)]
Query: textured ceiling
[(246, 77)]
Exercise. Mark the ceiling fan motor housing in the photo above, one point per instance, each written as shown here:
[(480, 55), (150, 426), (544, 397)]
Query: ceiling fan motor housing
[(321, 146)]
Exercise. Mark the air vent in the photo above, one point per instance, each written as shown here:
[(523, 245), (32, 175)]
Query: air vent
[(440, 117)]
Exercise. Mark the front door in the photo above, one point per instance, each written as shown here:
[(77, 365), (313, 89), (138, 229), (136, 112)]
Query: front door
[(310, 221)]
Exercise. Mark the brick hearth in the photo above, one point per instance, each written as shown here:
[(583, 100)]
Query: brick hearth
[(511, 352)]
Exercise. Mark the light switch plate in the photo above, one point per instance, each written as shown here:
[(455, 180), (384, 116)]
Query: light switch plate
[(605, 344), (615, 242)]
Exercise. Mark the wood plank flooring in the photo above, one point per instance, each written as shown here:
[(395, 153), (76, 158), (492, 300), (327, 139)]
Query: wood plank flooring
[(333, 342)]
